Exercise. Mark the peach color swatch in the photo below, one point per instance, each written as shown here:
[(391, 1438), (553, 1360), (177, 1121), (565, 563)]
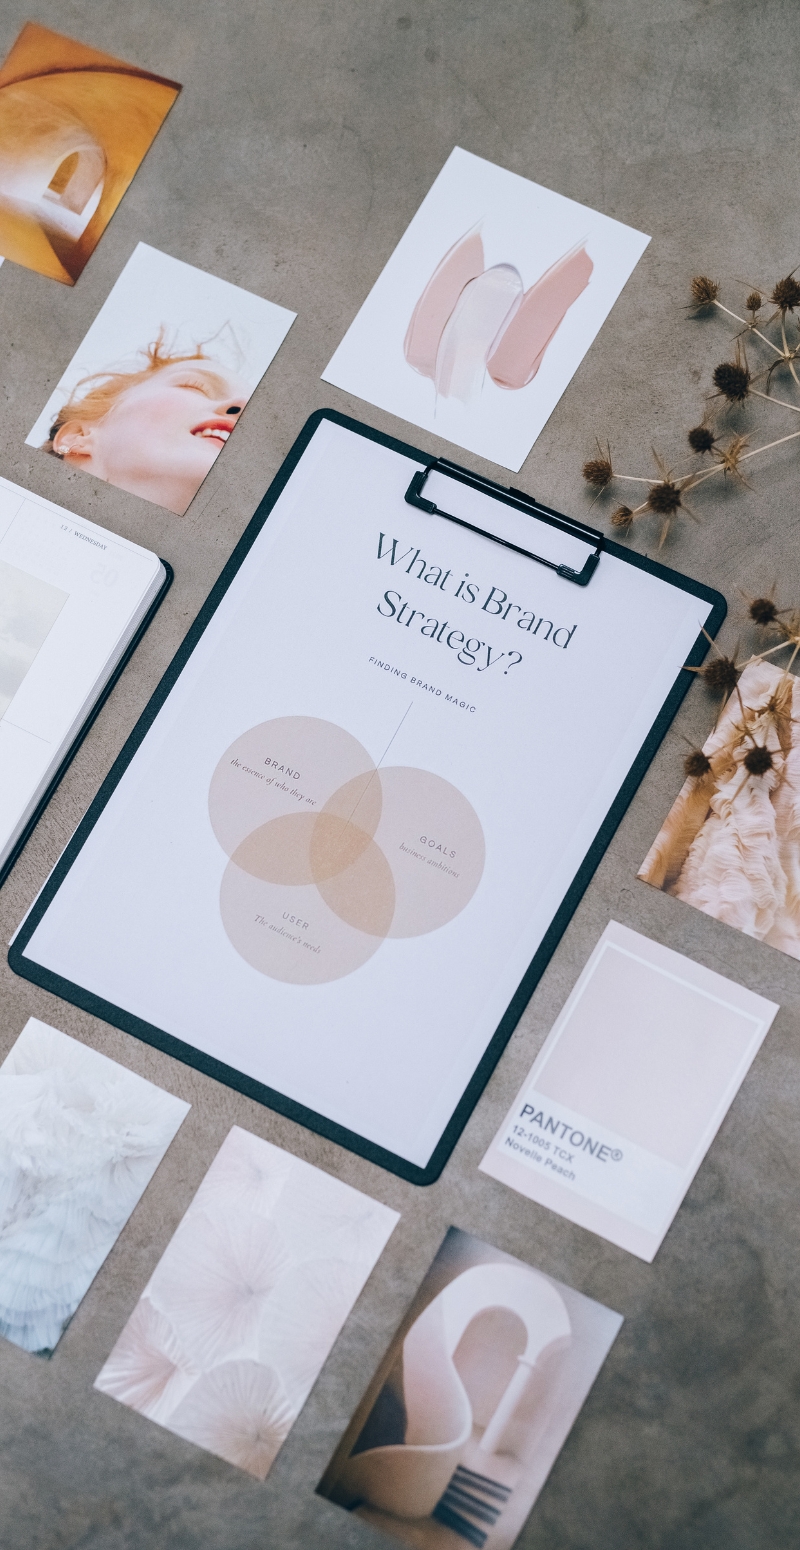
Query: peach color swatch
[(518, 353), (464, 262)]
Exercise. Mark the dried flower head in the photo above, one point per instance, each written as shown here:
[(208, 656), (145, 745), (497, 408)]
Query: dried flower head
[(597, 471), (701, 438), (696, 764), (622, 517), (732, 380), (721, 673), (664, 498), (704, 290), (763, 611), (786, 294), (754, 302), (757, 760), (731, 456), (791, 627)]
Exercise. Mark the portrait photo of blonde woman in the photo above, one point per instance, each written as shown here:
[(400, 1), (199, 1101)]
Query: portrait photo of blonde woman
[(161, 379)]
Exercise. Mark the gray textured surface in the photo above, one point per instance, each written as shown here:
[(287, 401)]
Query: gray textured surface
[(302, 144)]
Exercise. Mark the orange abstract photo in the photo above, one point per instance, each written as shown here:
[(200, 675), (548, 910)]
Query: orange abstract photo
[(74, 126)]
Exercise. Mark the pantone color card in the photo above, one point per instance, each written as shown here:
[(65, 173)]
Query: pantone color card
[(629, 1090)]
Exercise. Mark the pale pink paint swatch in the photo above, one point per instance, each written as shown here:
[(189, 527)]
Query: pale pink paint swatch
[(463, 262)]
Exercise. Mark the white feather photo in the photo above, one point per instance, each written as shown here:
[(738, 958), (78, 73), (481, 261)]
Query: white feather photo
[(80, 1140), (232, 1330)]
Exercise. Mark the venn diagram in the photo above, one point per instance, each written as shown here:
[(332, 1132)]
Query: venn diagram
[(329, 855)]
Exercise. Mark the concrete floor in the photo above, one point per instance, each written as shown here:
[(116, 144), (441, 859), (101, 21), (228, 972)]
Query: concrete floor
[(303, 142)]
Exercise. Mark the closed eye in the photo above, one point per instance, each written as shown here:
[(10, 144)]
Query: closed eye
[(199, 384)]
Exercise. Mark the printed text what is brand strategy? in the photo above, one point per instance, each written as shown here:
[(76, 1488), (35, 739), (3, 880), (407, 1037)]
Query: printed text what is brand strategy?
[(470, 651)]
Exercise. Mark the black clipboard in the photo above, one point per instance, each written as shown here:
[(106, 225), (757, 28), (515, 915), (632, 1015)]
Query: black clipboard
[(229, 1075)]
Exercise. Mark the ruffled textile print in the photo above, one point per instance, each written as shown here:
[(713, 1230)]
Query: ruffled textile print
[(731, 843), (80, 1139)]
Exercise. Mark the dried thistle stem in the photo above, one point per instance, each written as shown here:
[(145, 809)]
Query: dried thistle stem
[(768, 398), (751, 328)]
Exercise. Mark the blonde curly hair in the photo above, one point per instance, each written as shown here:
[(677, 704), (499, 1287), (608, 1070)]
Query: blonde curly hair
[(93, 396)]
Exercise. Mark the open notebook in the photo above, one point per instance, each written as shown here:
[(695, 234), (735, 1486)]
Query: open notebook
[(73, 601)]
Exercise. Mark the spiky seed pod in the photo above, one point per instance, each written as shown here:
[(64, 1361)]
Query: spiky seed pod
[(664, 498), (754, 302), (757, 760), (732, 380), (598, 472), (763, 611), (791, 627), (622, 517), (701, 439), (786, 294), (704, 290), (696, 764), (731, 456), (721, 673)]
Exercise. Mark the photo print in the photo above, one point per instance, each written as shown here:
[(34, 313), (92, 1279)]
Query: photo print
[(472, 1403), (730, 843), (486, 308), (230, 1334), (74, 126), (80, 1140), (161, 379)]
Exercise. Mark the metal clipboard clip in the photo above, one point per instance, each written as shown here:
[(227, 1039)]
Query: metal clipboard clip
[(521, 502)]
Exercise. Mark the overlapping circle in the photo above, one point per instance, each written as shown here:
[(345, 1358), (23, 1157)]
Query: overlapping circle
[(328, 855)]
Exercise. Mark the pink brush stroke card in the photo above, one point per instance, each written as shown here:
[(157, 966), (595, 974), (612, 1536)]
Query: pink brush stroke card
[(486, 308)]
